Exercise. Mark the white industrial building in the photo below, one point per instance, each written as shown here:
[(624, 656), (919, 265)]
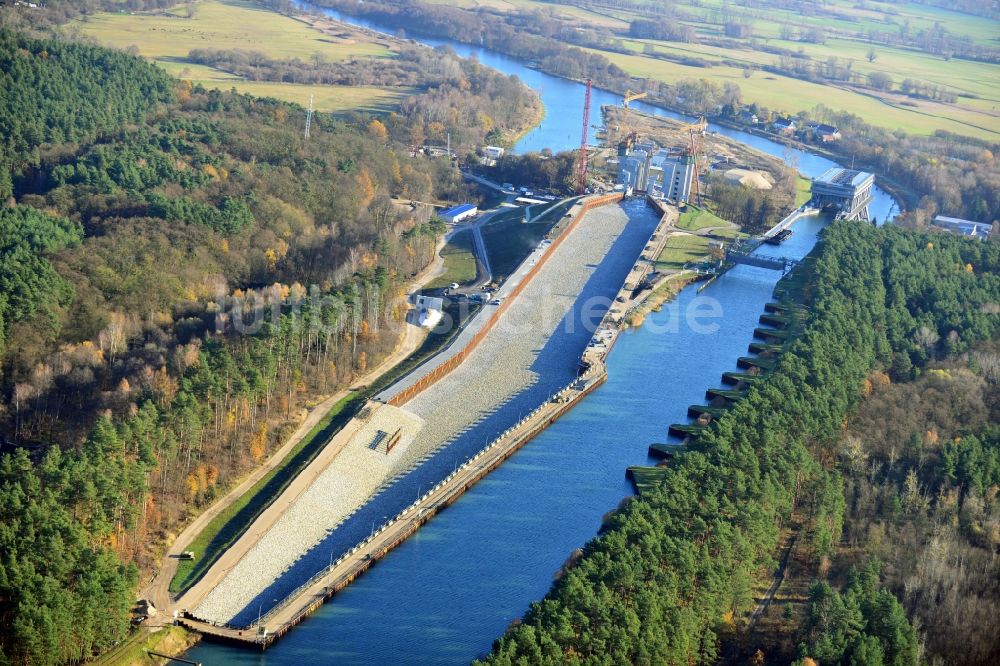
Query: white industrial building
[(964, 227), (430, 310), (678, 177), (633, 171), (459, 213)]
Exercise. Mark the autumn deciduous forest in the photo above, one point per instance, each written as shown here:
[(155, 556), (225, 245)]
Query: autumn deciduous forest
[(180, 272)]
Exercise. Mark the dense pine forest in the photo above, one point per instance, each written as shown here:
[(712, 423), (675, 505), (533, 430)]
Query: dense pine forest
[(672, 574), (181, 271)]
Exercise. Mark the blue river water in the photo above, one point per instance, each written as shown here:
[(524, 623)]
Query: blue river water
[(444, 595)]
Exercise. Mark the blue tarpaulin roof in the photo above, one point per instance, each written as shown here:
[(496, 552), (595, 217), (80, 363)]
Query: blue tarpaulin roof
[(457, 210)]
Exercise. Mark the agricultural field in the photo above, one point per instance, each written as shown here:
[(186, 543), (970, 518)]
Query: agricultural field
[(844, 16), (562, 11), (784, 93), (849, 37), (167, 38), (976, 78)]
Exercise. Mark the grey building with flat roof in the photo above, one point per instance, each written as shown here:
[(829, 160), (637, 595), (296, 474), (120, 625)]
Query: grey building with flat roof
[(845, 190)]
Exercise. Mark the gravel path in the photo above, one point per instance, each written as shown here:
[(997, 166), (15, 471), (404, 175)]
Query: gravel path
[(532, 352)]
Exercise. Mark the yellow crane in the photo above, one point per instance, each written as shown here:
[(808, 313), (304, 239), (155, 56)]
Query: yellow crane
[(632, 96), (698, 126), (626, 131)]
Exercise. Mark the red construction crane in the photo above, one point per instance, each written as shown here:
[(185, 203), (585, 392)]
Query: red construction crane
[(696, 128), (581, 169)]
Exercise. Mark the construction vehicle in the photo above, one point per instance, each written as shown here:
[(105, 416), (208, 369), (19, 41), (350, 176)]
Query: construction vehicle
[(626, 144)]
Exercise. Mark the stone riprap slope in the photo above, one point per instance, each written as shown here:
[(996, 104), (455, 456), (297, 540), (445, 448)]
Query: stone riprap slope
[(341, 487), (532, 352)]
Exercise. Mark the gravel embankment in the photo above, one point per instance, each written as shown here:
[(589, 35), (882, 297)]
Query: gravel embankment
[(355, 474), (532, 352)]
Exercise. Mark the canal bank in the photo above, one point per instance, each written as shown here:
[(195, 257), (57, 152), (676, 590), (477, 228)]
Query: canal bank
[(445, 594), (310, 596), (512, 357)]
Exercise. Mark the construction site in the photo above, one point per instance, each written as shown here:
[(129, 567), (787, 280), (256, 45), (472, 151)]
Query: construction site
[(524, 358), (510, 360), (627, 131)]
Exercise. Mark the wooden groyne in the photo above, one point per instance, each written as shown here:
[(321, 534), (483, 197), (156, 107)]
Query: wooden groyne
[(753, 370), (696, 411), (737, 378), (747, 362), (769, 334), (761, 347)]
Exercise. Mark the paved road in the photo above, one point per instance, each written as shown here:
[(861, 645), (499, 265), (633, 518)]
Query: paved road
[(157, 591), (483, 181)]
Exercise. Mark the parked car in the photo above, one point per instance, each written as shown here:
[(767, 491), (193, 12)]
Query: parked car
[(453, 285)]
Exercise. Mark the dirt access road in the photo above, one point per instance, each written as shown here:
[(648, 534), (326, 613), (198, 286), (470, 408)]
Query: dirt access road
[(158, 589)]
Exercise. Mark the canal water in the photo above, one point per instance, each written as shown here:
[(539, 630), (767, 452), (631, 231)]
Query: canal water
[(444, 595)]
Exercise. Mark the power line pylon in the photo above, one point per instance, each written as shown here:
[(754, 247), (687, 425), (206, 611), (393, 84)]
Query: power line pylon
[(309, 118)]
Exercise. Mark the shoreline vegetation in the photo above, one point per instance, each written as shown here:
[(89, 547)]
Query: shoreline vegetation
[(669, 578), (161, 213), (536, 121), (663, 293), (895, 155)]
